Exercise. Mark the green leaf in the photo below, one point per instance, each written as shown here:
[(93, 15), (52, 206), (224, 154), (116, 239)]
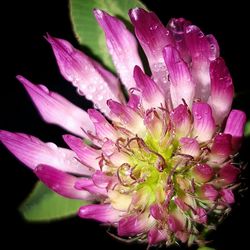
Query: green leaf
[(85, 26), (45, 205), (247, 129)]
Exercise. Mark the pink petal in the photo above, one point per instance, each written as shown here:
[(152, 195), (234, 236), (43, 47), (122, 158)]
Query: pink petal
[(153, 122), (156, 211), (209, 192), (181, 204), (153, 37), (86, 75), (201, 215), (181, 120), (101, 180), (190, 146), (221, 148), (181, 86), (31, 151), (177, 27), (88, 155), (203, 172), (227, 196), (56, 109), (229, 173), (126, 115), (134, 101), (202, 49), (155, 236), (103, 213), (134, 224), (88, 185), (222, 90), (174, 224), (122, 46), (235, 126), (151, 94), (103, 128), (61, 182), (204, 125)]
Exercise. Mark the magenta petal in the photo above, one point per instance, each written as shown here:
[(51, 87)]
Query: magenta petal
[(127, 115), (203, 172), (101, 180), (222, 90), (204, 125), (229, 173), (31, 151), (182, 86), (235, 126), (201, 215), (103, 213), (153, 37), (227, 196), (151, 33), (190, 146), (181, 204), (174, 224), (88, 185), (151, 94), (202, 49), (134, 225), (61, 182), (156, 211), (209, 192), (155, 236), (103, 128), (121, 44), (177, 26), (56, 109), (85, 74), (86, 154), (221, 148), (181, 120)]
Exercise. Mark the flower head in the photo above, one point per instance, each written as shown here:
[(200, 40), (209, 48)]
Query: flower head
[(160, 166)]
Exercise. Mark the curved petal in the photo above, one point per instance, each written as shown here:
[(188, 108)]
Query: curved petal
[(235, 126), (102, 127), (204, 125), (181, 86), (89, 185), (153, 37), (31, 151), (88, 76), (156, 235), (61, 182), (103, 213), (135, 224), (221, 148), (152, 97), (202, 50), (181, 120), (56, 109), (122, 46), (222, 90), (88, 155)]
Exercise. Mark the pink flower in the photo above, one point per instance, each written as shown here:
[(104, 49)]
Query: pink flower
[(149, 156)]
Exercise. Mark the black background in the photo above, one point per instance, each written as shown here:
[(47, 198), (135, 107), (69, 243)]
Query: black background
[(24, 51)]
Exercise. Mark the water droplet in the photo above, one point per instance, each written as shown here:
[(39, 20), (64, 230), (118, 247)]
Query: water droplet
[(100, 98), (52, 145), (154, 27), (89, 96), (44, 88), (79, 91)]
